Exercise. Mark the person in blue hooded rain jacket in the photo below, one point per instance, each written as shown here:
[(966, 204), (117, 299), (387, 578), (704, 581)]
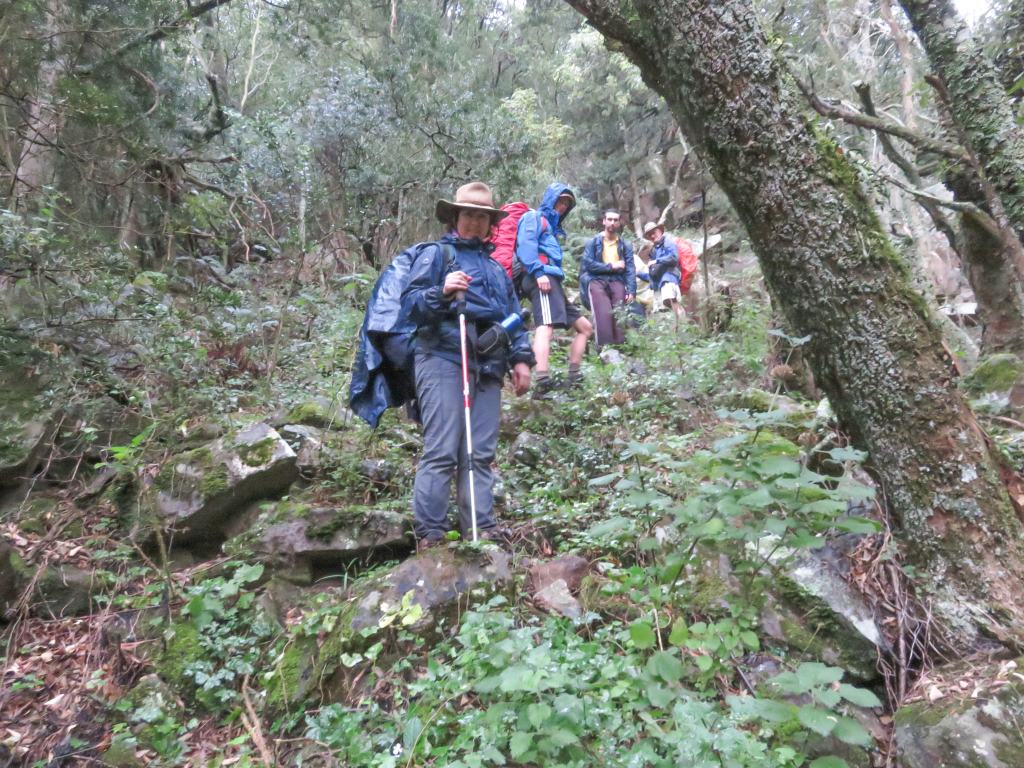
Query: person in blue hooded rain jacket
[(431, 301), (540, 253)]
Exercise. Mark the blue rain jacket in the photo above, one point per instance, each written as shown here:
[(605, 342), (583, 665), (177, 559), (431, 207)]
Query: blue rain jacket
[(533, 239), (489, 300), (382, 374), (663, 266)]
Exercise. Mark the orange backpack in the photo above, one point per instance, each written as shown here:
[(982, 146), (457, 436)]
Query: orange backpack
[(687, 264)]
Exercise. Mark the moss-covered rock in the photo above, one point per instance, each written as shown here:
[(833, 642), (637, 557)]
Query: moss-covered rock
[(975, 727), (995, 373), (423, 594), (64, 590), (36, 514), (792, 418), (25, 424), (296, 538), (197, 492), (815, 613), (180, 651), (320, 412), (15, 574), (308, 444)]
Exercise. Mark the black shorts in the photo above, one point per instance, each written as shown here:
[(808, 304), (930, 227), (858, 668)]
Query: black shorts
[(551, 308)]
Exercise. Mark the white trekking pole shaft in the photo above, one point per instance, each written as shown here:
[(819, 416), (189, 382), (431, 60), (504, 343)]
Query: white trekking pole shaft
[(466, 405)]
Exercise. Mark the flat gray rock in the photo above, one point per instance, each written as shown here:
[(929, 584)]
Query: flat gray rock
[(196, 493)]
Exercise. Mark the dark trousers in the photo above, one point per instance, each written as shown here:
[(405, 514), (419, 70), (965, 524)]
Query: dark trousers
[(439, 391), (605, 295)]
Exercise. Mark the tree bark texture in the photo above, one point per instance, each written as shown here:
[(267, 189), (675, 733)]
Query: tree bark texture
[(978, 103), (1010, 59), (989, 263), (875, 349)]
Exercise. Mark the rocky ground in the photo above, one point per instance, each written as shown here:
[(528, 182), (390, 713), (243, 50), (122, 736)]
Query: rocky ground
[(698, 573)]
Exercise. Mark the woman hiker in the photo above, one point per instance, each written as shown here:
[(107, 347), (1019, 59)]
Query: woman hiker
[(461, 266)]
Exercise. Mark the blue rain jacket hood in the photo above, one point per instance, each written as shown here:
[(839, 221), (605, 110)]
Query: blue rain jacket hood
[(547, 206), (533, 239)]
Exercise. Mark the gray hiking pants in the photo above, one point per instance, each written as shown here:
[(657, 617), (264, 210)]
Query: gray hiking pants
[(439, 391)]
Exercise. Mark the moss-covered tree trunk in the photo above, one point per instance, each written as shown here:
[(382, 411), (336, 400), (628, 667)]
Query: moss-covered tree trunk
[(978, 103), (1010, 58), (874, 349), (989, 259)]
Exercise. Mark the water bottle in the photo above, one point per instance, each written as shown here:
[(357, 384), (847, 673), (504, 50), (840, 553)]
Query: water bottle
[(499, 334)]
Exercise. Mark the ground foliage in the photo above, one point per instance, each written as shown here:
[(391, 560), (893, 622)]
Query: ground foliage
[(644, 474), (164, 260)]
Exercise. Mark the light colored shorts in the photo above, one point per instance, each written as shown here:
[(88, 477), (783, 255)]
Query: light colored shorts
[(669, 292)]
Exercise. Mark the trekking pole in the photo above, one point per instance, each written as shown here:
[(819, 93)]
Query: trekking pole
[(461, 307)]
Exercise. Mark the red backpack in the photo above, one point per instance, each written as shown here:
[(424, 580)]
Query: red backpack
[(687, 264), (503, 236)]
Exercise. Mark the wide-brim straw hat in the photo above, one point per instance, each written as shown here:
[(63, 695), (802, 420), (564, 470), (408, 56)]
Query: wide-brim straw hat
[(650, 226), (475, 196)]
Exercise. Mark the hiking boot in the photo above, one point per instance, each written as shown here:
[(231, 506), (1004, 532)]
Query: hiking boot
[(575, 380), (428, 543), (543, 388)]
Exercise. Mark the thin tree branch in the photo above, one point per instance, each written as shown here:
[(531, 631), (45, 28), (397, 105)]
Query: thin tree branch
[(853, 117), (159, 32), (968, 209), (909, 169)]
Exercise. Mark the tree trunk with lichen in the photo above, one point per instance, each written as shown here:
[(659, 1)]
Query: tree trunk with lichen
[(875, 349), (989, 259), (969, 83), (1010, 58)]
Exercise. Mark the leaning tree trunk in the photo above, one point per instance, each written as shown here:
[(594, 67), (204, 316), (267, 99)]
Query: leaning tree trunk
[(979, 105), (874, 349), (989, 259)]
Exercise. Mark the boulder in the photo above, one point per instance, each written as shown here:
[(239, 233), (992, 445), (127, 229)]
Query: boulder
[(556, 598), (436, 580), (970, 719), (195, 493), (308, 444), (302, 539), (92, 426), (36, 513), (25, 424), (791, 417), (26, 410), (997, 383), (379, 472), (320, 412), (64, 590), (813, 610), (569, 568), (529, 449), (413, 600)]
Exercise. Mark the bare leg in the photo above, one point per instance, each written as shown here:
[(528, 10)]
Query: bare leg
[(542, 346), (584, 330)]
